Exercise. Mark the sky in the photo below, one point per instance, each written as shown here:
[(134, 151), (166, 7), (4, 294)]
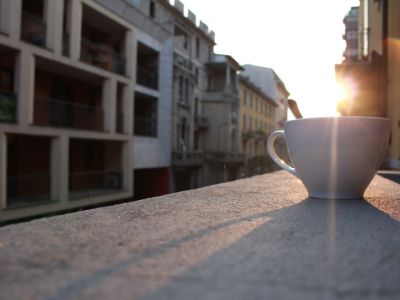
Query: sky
[(301, 40)]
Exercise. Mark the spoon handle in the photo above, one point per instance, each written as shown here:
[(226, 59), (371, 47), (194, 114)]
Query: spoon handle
[(294, 109)]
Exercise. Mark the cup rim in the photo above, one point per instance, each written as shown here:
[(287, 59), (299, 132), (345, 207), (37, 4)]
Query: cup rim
[(338, 117)]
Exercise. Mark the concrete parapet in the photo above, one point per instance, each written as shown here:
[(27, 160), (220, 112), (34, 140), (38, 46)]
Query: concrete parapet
[(192, 17), (260, 237), (179, 6)]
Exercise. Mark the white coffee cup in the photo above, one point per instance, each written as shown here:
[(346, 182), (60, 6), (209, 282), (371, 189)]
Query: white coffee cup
[(335, 158)]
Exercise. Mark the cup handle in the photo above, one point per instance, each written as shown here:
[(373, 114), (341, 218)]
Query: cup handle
[(275, 157)]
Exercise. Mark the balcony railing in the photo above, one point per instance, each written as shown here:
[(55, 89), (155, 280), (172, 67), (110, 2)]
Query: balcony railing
[(94, 183), (187, 158), (8, 107), (51, 112), (65, 43), (145, 126), (147, 77), (181, 43), (201, 122), (120, 123), (102, 56), (26, 189), (33, 29), (226, 157), (254, 134)]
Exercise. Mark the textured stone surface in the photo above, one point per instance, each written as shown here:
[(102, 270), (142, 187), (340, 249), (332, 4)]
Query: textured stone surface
[(249, 239)]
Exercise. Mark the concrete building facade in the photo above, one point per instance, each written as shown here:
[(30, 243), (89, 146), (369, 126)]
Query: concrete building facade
[(193, 48), (223, 160), (104, 100), (67, 72), (152, 95)]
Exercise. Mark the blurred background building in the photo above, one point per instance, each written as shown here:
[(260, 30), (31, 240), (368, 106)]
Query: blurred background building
[(257, 116), (105, 100), (371, 77)]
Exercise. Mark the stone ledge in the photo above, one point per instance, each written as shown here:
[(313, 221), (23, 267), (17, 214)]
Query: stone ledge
[(249, 239)]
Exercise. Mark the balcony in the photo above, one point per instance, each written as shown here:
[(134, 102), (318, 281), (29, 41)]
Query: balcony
[(181, 43), (147, 77), (201, 123), (247, 134), (28, 170), (33, 29), (225, 157), (94, 183), (145, 126), (8, 107), (102, 56), (28, 189), (65, 43), (120, 123), (254, 134), (52, 112), (147, 66), (256, 238), (187, 158)]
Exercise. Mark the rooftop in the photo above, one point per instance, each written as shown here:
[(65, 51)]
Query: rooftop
[(254, 238)]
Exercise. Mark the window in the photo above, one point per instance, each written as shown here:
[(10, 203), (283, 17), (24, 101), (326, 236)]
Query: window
[(244, 122), (183, 37), (251, 100), (186, 99), (145, 115), (152, 10), (197, 47), (245, 97), (180, 89), (196, 75)]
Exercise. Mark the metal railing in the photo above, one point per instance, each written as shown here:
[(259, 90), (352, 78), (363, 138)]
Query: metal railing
[(201, 122), (120, 123), (26, 189), (181, 43), (65, 43), (33, 29), (8, 107), (67, 114), (226, 157), (187, 157), (101, 55), (147, 77), (145, 126), (94, 183)]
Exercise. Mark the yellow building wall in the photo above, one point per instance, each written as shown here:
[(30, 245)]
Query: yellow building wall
[(261, 111), (393, 103), (375, 28)]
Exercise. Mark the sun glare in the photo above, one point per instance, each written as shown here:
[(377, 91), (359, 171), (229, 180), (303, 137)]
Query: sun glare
[(323, 100)]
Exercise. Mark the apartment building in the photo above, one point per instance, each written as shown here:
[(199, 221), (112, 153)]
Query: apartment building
[(193, 48), (271, 84), (67, 72), (351, 35), (257, 122), (222, 158), (153, 93), (371, 82)]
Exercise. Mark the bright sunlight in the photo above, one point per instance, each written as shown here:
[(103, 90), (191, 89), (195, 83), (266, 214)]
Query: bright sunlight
[(301, 40)]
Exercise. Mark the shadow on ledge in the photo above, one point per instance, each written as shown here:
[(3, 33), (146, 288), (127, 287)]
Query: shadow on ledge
[(312, 250)]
